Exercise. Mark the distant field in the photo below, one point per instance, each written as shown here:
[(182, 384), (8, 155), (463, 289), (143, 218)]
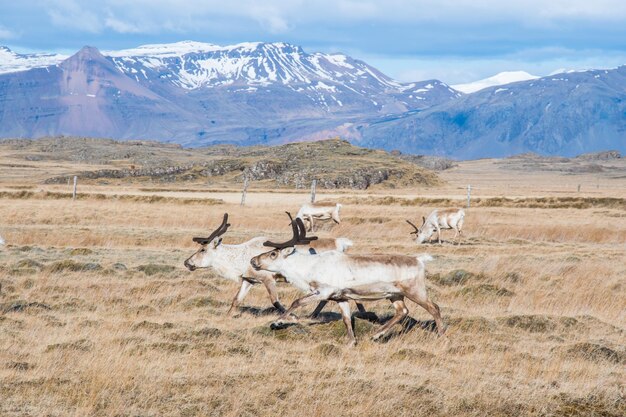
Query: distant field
[(98, 316)]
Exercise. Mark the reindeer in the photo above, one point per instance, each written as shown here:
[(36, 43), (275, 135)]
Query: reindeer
[(319, 212), (2, 242), (233, 261), (341, 277), (437, 220)]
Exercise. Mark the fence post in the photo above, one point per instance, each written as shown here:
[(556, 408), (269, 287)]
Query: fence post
[(469, 193), (74, 192), (578, 187), (313, 185), (245, 190)]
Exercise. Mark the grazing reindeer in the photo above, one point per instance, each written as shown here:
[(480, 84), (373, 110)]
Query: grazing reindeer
[(342, 277), (437, 220), (319, 212), (233, 261)]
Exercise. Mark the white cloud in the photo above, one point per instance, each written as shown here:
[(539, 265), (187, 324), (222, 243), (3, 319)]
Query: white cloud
[(279, 16), (121, 26), (69, 13), (6, 33)]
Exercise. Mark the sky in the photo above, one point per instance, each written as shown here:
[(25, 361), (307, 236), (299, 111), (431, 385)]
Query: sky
[(455, 41)]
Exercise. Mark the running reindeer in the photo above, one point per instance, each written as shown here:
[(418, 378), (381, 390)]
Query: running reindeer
[(319, 211), (340, 277), (233, 261), (437, 220)]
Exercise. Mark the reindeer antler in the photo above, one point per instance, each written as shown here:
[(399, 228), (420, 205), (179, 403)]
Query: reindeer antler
[(417, 230), (299, 235), (217, 232)]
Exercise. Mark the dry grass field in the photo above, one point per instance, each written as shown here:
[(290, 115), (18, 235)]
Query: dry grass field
[(99, 317)]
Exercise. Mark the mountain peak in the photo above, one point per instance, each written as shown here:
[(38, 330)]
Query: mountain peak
[(87, 56), (88, 52)]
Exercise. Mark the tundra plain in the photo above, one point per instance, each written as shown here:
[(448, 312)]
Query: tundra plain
[(99, 317)]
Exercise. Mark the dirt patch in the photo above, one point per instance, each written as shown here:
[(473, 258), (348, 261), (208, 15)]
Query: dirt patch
[(21, 306), (485, 290), (531, 323), (153, 269), (151, 326), (327, 349), (69, 265), (201, 334), (471, 324), (455, 277), (20, 366), (80, 251), (412, 354), (200, 302), (593, 352), (82, 345)]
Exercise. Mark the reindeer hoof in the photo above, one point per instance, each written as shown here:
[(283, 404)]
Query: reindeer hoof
[(351, 343), (377, 337), (279, 324)]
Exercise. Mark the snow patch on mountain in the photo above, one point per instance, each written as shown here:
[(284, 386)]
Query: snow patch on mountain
[(197, 65), (14, 62), (501, 78)]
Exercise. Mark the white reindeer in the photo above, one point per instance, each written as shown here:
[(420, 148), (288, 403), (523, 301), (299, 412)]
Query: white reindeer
[(343, 277), (437, 220), (319, 211), (233, 261), (2, 242)]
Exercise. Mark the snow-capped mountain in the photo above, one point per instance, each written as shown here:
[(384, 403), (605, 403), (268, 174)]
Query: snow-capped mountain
[(196, 94), (330, 80), (192, 65), (14, 62), (245, 93), (501, 78), (562, 114)]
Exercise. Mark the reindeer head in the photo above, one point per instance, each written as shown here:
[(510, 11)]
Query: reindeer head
[(273, 260), (422, 233), (209, 247)]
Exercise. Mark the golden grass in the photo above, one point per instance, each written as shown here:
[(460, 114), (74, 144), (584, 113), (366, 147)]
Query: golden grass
[(99, 317)]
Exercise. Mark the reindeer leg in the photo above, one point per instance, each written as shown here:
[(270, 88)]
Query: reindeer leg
[(423, 301), (344, 306), (307, 299), (270, 285), (439, 234), (318, 309), (335, 217), (310, 222), (401, 313), (241, 294)]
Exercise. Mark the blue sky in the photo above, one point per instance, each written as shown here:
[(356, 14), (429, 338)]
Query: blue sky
[(452, 40)]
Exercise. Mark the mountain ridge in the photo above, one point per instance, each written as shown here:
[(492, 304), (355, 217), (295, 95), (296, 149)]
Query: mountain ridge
[(564, 114), (198, 94), (195, 93)]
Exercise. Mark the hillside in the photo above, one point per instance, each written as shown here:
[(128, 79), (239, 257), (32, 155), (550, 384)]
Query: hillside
[(564, 114), (334, 163)]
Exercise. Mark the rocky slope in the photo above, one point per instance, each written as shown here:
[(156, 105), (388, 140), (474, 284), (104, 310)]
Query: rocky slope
[(333, 163)]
